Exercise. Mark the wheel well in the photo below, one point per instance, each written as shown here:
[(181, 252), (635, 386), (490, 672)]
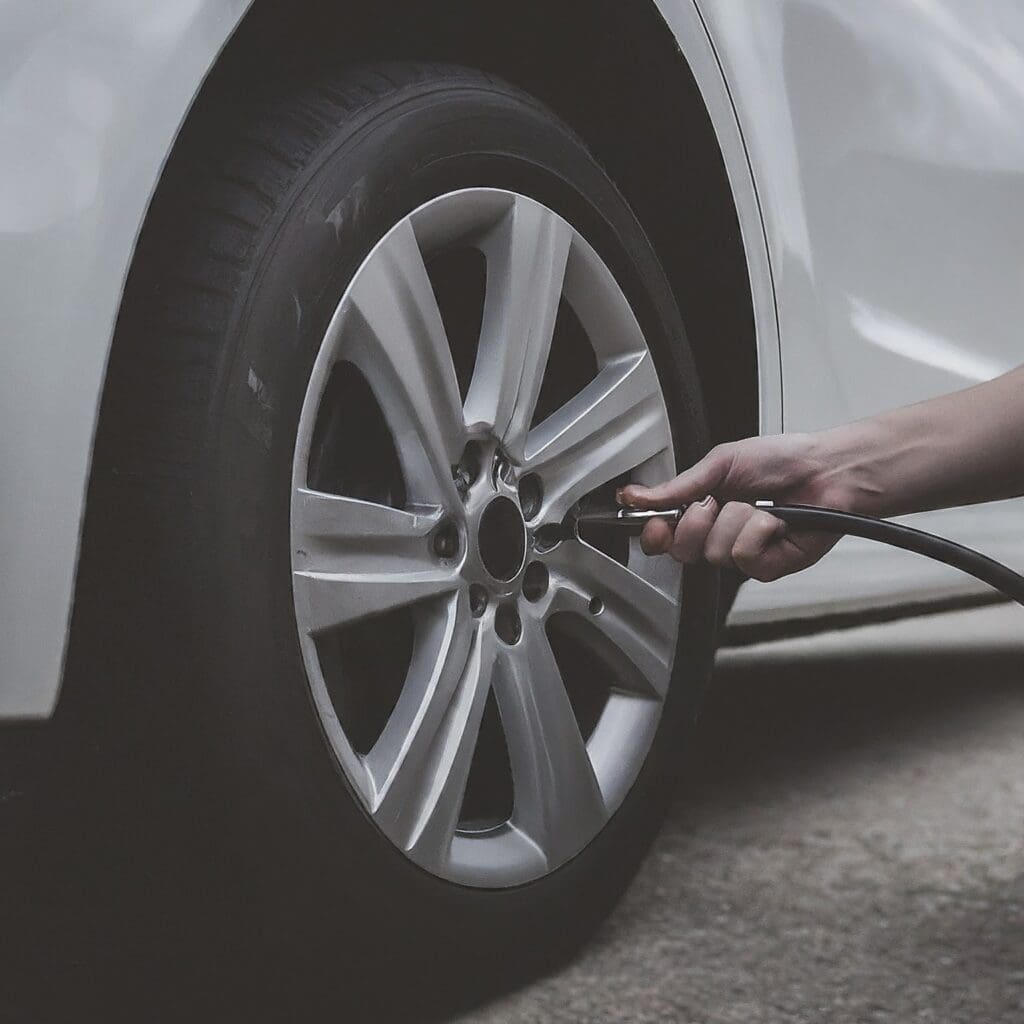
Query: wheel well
[(613, 72)]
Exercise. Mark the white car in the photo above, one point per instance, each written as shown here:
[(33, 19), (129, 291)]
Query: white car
[(315, 314)]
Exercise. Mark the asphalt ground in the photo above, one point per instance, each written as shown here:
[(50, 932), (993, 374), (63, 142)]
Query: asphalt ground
[(846, 846)]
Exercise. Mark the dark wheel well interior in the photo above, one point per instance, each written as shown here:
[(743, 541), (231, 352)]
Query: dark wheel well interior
[(613, 71)]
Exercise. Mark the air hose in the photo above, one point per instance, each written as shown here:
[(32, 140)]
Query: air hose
[(828, 520)]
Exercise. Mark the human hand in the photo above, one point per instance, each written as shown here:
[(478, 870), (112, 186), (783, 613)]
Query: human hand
[(721, 528)]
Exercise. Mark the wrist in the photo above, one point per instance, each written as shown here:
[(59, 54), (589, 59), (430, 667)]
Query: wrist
[(851, 472)]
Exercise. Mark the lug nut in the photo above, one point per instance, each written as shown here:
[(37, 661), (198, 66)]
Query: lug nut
[(477, 600), (535, 581), (531, 495), (446, 541), (507, 624)]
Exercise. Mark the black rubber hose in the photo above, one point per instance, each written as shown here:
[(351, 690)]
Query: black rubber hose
[(824, 520)]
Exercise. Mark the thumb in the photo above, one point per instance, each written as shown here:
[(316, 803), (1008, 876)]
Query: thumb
[(693, 484)]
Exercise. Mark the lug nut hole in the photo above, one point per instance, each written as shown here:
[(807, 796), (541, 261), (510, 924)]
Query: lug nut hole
[(547, 537), (477, 599), (507, 624), (446, 540), (531, 495), (596, 606), (535, 581)]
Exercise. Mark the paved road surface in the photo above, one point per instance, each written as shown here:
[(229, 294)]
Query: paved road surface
[(848, 848)]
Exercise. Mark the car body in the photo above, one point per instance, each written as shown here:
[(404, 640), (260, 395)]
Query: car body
[(874, 159)]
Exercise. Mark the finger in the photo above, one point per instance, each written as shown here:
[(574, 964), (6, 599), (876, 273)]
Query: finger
[(693, 484), (656, 538), (692, 532), (722, 538), (758, 535)]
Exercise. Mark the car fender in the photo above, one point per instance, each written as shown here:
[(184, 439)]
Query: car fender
[(92, 95)]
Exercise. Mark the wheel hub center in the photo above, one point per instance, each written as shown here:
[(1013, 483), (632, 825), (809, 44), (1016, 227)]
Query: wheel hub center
[(502, 539)]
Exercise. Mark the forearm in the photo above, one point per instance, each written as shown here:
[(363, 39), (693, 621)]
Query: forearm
[(958, 449)]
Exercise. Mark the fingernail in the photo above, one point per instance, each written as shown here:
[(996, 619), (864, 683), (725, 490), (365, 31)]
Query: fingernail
[(707, 501), (620, 495)]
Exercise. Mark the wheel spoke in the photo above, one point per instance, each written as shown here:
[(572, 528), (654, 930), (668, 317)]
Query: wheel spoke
[(398, 340), (421, 762), (613, 425), (325, 601), (354, 559), (557, 797), (526, 261), (334, 533), (635, 630)]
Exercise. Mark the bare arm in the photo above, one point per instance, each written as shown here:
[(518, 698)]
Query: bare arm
[(959, 449)]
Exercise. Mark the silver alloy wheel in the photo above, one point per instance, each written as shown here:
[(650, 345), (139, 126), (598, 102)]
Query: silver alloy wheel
[(460, 549)]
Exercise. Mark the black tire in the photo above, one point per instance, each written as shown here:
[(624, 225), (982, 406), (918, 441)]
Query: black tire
[(192, 479)]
